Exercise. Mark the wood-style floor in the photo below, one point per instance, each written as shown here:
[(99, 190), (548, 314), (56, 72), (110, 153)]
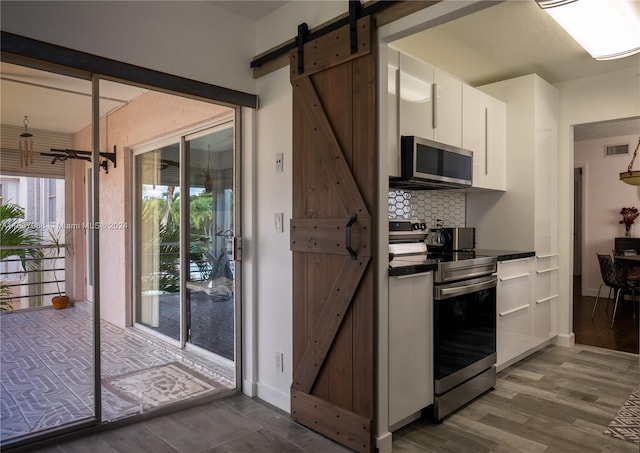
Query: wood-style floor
[(598, 332), (559, 400)]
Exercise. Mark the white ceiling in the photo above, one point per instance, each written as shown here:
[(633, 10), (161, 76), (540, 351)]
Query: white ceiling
[(509, 39), (253, 10), (54, 102), (506, 40)]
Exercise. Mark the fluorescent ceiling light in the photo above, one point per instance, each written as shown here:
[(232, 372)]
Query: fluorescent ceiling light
[(607, 29)]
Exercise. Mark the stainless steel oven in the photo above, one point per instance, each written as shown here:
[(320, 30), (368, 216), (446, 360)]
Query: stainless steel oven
[(464, 331), (464, 315)]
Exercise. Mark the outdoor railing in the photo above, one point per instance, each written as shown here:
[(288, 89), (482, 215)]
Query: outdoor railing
[(33, 287)]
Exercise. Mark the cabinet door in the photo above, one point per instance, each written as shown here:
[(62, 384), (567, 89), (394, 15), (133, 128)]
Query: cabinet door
[(474, 131), (447, 123), (393, 114), (484, 131), (496, 144), (546, 296), (410, 345), (416, 104), (514, 332)]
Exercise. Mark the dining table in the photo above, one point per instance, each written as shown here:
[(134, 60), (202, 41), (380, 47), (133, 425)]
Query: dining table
[(629, 262)]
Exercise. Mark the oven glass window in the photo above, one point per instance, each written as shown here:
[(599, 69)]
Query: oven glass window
[(464, 330)]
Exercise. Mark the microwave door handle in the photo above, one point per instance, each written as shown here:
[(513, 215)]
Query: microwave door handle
[(486, 141), (397, 99)]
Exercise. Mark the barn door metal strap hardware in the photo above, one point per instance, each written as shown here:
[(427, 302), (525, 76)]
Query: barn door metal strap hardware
[(64, 154), (356, 11)]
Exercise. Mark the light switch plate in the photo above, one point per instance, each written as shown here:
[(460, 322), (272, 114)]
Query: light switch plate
[(277, 217), (279, 162)]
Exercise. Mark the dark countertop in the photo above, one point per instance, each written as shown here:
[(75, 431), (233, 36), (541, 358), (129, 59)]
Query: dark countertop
[(506, 255), (418, 264), (407, 267)]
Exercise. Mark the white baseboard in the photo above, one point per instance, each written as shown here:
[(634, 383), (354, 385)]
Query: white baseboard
[(280, 399), (384, 443), (567, 340), (250, 388)]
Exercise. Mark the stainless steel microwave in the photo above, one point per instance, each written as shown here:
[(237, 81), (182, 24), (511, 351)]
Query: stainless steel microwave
[(426, 164)]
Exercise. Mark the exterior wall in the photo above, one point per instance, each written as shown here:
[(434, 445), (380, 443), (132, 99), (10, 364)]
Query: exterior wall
[(603, 197), (148, 118)]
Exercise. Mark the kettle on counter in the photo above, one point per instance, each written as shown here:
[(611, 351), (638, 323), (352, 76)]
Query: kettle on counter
[(436, 236)]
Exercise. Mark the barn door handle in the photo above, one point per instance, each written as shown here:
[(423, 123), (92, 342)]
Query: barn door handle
[(347, 240)]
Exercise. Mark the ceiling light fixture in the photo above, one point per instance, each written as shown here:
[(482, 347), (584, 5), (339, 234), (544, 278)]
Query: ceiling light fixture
[(630, 176), (25, 145), (607, 29)]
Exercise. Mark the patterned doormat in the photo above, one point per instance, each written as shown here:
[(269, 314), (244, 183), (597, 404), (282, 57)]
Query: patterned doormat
[(626, 425), (159, 385)]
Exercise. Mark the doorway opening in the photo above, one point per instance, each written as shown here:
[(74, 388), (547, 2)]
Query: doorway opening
[(598, 198)]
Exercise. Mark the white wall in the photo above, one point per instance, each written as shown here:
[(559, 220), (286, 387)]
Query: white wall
[(201, 41), (603, 97), (273, 193), (603, 197), (196, 39)]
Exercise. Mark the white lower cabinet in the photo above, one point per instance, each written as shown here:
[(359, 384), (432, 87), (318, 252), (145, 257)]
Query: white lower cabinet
[(546, 296), (410, 346), (514, 309)]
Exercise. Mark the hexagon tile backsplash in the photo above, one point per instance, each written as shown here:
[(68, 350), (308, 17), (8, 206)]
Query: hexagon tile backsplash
[(427, 205)]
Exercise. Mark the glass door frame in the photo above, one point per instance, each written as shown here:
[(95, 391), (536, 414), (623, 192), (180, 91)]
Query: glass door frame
[(50, 57), (236, 256)]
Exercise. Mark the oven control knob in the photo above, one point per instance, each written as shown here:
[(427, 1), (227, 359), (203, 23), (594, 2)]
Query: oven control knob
[(423, 226), (415, 226)]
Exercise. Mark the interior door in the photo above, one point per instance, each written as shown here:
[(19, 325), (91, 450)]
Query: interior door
[(334, 187)]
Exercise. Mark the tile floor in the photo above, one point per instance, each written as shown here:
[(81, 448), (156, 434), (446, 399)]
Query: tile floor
[(46, 375)]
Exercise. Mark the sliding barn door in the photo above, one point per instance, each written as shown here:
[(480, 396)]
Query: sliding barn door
[(332, 232)]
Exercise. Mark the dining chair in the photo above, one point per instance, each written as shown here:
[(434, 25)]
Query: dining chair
[(611, 278)]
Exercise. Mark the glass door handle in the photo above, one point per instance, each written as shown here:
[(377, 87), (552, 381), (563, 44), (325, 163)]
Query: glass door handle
[(236, 248)]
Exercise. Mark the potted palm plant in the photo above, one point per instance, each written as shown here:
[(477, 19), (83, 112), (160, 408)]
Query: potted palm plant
[(17, 238), (55, 247)]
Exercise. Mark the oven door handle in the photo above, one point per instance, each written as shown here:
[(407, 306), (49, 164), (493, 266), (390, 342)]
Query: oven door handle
[(460, 289)]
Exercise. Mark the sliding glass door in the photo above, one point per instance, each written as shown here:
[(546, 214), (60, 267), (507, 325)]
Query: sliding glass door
[(157, 305), (184, 233), (210, 281)]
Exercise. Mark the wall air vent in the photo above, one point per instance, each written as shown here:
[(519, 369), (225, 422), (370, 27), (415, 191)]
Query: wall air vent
[(616, 150)]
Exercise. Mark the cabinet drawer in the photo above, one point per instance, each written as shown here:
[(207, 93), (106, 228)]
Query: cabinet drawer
[(507, 269)]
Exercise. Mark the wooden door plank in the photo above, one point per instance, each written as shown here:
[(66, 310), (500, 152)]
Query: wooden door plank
[(343, 182), (350, 429), (328, 323), (365, 171), (330, 236)]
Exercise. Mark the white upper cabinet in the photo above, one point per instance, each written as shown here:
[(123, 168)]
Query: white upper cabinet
[(484, 123), (430, 102), (416, 97), (393, 114), (448, 109)]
